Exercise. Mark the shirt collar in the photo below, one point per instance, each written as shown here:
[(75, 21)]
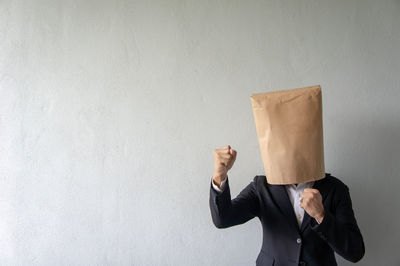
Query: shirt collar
[(301, 186)]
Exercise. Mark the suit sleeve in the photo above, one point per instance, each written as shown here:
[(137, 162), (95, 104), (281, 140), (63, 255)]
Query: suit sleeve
[(340, 229), (226, 212)]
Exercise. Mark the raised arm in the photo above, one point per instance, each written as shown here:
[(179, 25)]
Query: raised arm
[(224, 211)]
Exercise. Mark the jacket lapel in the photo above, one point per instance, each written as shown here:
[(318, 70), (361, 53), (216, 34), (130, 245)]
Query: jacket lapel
[(281, 197), (306, 220)]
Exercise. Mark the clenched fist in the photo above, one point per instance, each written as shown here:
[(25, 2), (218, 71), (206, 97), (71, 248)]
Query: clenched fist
[(311, 202), (223, 161)]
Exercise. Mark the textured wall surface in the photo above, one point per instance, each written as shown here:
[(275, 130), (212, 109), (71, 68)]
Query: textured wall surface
[(110, 110)]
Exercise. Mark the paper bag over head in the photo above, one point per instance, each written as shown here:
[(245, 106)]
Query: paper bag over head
[(289, 129)]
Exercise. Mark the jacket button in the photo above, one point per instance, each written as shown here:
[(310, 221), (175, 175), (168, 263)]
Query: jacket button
[(298, 240)]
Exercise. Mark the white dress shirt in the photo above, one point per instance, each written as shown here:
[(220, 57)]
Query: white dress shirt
[(293, 192)]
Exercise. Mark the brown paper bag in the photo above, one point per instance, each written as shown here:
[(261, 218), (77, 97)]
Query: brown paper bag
[(289, 129)]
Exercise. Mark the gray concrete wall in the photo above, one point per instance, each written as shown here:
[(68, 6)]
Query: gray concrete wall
[(110, 110)]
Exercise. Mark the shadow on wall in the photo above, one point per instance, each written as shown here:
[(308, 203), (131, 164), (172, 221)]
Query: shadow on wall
[(370, 154)]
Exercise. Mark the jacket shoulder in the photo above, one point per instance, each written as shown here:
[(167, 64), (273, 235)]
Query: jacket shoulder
[(333, 187), (334, 182), (260, 181), (259, 178)]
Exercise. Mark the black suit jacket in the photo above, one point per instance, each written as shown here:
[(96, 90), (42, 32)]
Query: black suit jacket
[(284, 243)]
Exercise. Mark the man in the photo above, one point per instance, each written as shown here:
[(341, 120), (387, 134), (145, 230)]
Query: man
[(303, 224)]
